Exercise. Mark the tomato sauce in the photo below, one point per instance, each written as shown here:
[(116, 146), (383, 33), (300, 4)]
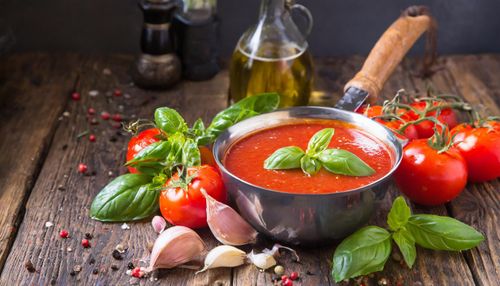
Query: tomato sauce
[(245, 158)]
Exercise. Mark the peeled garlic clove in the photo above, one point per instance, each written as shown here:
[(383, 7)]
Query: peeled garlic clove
[(224, 256), (275, 251), (262, 260), (226, 224), (158, 224), (175, 246)]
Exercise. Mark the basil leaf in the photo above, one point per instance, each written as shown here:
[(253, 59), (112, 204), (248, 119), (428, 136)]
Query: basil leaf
[(126, 198), (442, 233), (399, 214), (319, 141), (284, 158), (170, 120), (362, 253), (198, 127), (191, 154), (309, 165), (344, 163), (406, 244), (177, 143), (154, 152), (241, 110)]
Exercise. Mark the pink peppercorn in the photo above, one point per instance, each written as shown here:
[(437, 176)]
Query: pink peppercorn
[(82, 168), (91, 111), (294, 275), (85, 243), (117, 92), (64, 233), (105, 115), (117, 117), (287, 282), (75, 96), (136, 272), (92, 138)]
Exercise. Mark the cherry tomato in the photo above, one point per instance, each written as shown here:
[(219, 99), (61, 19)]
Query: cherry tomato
[(430, 178), (187, 207), (139, 142), (376, 110), (480, 148), (425, 129)]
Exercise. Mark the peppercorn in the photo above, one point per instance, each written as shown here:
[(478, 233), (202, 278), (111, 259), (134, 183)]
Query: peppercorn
[(287, 282), (91, 111), (284, 277), (117, 92), (105, 115), (29, 266), (75, 96), (116, 255), (91, 260), (92, 138), (88, 235), (117, 117), (85, 243), (94, 121), (64, 233), (130, 265), (82, 168), (95, 271), (136, 272), (72, 273), (114, 267), (294, 276), (279, 270)]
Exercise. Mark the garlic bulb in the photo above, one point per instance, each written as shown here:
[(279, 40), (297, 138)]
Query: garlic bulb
[(226, 224), (224, 256), (158, 224), (262, 260), (175, 246)]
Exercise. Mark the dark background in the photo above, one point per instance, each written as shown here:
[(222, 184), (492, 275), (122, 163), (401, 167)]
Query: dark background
[(342, 27)]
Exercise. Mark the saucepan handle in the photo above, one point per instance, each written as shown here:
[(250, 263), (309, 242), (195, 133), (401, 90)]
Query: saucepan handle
[(390, 49)]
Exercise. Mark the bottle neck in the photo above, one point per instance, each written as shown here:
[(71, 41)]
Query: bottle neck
[(272, 8)]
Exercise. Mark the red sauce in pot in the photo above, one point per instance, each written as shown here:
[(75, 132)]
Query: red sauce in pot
[(245, 158)]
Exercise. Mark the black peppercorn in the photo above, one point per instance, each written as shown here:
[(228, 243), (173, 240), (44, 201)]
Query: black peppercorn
[(116, 255)]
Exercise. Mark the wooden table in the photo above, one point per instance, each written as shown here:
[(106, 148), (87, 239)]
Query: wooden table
[(40, 150)]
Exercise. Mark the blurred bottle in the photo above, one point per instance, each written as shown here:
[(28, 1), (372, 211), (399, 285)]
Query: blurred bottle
[(195, 26)]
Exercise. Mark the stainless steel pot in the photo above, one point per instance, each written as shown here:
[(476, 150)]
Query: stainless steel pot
[(304, 218)]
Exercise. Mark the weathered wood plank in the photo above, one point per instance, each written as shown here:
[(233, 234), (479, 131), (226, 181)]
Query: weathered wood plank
[(33, 92), (68, 209)]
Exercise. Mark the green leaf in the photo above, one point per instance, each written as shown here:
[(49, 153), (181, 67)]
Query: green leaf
[(191, 154), (319, 141), (177, 144), (406, 244), (344, 163), (442, 233), (170, 120), (309, 165), (362, 253), (155, 152), (243, 109), (126, 198), (399, 214), (284, 158)]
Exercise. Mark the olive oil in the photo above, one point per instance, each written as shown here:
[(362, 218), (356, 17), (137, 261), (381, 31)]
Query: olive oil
[(287, 70)]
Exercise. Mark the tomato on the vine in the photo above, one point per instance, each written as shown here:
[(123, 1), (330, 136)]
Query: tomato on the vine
[(428, 177), (182, 203), (141, 141), (425, 128), (410, 132), (480, 148)]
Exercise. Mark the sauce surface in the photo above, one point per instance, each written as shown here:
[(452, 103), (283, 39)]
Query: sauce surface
[(245, 158)]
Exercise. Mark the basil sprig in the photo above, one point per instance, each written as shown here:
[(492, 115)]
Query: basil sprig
[(317, 156), (135, 196), (367, 250)]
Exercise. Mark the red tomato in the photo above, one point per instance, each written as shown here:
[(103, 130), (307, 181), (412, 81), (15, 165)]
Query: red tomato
[(370, 111), (376, 110), (139, 142), (425, 129), (480, 148), (187, 207), (429, 178)]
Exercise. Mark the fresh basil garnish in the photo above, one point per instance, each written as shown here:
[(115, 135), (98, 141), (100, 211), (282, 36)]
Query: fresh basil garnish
[(126, 198), (155, 152), (284, 158), (190, 153), (319, 141), (170, 120), (406, 245), (442, 233), (344, 163), (353, 257), (363, 252), (399, 214), (316, 156)]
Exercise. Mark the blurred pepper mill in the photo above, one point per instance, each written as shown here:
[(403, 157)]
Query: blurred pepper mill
[(158, 66)]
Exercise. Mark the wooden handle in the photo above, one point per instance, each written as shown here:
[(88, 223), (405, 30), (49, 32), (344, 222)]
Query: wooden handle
[(389, 50)]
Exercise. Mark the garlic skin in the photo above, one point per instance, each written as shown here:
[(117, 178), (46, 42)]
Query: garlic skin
[(175, 246), (159, 224), (224, 256), (226, 224), (262, 260), (275, 251)]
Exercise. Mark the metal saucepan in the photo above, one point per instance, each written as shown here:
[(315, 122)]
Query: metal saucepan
[(314, 218)]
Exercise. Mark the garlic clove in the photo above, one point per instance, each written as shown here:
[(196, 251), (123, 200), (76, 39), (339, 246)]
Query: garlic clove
[(262, 260), (226, 224), (224, 256), (175, 246), (158, 224)]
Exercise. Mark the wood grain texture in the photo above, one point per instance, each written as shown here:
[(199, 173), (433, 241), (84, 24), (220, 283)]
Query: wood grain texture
[(34, 90), (478, 205)]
